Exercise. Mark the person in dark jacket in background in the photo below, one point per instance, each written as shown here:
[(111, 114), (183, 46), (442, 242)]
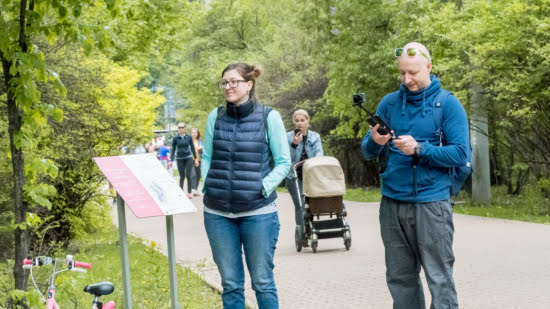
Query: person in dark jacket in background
[(183, 150), (416, 216), (240, 202)]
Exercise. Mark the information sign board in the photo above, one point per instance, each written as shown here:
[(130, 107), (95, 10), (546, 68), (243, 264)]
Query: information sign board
[(145, 185)]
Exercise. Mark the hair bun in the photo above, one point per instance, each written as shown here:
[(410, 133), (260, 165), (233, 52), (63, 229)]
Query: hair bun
[(256, 70)]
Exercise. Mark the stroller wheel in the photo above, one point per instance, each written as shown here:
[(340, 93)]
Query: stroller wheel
[(314, 246), (298, 238), (347, 243), (347, 239)]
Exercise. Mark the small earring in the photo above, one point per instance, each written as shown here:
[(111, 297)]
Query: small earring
[(247, 92)]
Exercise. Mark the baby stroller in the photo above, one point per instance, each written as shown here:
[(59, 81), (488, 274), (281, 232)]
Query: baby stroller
[(324, 187)]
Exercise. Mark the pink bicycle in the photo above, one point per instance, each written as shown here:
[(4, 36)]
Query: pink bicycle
[(97, 289)]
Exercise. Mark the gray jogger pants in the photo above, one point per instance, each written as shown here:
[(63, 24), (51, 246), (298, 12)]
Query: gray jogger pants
[(415, 236)]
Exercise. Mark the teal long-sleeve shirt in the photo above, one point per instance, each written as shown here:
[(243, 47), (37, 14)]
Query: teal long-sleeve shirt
[(277, 143)]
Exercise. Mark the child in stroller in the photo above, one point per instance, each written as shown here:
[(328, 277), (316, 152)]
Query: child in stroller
[(323, 190)]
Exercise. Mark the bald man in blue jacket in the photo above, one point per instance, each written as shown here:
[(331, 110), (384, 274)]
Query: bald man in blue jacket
[(416, 217)]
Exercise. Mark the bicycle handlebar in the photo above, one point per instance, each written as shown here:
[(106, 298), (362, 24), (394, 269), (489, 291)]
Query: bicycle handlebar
[(83, 265), (44, 260)]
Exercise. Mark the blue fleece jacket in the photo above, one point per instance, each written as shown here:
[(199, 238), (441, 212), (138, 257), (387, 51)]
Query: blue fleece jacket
[(423, 178)]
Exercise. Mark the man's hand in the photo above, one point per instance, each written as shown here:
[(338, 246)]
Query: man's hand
[(405, 143), (196, 163), (377, 138)]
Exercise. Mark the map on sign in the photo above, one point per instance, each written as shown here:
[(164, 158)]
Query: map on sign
[(145, 185)]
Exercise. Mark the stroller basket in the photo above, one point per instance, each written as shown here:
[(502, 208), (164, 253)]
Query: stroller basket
[(319, 206)]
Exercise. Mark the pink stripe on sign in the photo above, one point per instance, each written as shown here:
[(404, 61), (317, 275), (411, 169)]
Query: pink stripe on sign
[(129, 187)]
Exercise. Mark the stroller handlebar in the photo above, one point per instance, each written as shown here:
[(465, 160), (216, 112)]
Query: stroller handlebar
[(295, 166)]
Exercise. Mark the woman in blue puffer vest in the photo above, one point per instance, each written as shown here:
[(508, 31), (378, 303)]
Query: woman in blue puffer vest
[(240, 202)]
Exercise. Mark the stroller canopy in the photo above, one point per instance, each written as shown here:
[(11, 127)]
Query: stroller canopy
[(323, 177)]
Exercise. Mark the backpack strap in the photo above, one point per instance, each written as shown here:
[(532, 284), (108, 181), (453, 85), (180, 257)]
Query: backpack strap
[(266, 110), (437, 108)]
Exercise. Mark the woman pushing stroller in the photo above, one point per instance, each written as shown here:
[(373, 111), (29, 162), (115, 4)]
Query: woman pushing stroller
[(304, 144)]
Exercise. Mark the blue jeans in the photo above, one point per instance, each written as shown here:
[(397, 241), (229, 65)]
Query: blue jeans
[(296, 196), (257, 235), (415, 236)]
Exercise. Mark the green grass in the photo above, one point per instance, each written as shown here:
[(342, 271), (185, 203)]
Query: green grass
[(365, 195), (148, 274), (501, 213), (531, 205)]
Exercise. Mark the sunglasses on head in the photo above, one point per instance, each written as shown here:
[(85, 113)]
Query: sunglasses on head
[(410, 52)]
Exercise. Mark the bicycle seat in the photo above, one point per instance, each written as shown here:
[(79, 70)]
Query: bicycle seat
[(99, 289)]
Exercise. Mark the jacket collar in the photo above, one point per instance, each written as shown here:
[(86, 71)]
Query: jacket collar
[(240, 111)]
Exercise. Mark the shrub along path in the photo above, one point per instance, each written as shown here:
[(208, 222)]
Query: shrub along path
[(499, 263)]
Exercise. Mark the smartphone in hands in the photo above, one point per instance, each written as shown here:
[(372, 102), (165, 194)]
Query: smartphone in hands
[(296, 131)]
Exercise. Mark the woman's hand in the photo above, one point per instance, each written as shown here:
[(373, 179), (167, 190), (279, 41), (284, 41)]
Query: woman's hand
[(297, 139), (196, 163)]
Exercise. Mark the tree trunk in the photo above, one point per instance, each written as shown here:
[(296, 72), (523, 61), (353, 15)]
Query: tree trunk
[(18, 162), (18, 166), (479, 137)]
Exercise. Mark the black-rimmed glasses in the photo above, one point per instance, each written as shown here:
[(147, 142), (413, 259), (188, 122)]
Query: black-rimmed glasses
[(231, 83)]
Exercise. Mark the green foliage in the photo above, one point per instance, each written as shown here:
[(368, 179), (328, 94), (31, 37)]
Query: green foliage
[(267, 33), (544, 185), (103, 110), (148, 275), (49, 19)]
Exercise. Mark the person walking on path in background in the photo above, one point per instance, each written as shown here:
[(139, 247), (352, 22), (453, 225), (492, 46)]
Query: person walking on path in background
[(240, 201), (183, 150), (416, 216), (196, 136), (163, 156), (304, 144)]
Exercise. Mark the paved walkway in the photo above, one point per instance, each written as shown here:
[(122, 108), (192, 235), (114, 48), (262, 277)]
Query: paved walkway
[(499, 263)]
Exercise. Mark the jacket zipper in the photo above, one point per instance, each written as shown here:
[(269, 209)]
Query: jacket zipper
[(414, 180), (231, 160)]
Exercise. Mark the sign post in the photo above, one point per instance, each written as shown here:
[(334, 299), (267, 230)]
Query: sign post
[(124, 252), (172, 261), (149, 190)]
